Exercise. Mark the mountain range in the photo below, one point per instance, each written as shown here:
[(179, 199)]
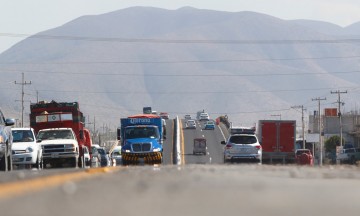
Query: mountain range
[(247, 65)]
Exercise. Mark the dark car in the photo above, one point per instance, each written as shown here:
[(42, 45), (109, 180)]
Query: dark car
[(5, 142), (104, 157)]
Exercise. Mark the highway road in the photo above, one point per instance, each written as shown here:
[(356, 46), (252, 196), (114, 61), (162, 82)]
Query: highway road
[(168, 143), (202, 185), (195, 189), (213, 138)]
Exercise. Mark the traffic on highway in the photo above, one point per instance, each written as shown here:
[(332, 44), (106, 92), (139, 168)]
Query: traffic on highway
[(181, 160)]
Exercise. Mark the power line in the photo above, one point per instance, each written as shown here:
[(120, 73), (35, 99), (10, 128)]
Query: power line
[(179, 41), (187, 92), (185, 61), (180, 75)]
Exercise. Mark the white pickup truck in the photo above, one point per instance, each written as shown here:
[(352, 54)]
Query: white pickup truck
[(349, 155), (60, 147)]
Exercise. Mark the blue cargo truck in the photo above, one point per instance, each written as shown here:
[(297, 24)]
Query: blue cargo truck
[(141, 139)]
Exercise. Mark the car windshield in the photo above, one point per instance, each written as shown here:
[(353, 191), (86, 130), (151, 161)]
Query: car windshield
[(116, 153), (210, 123), (55, 134), (22, 136), (243, 139), (141, 132)]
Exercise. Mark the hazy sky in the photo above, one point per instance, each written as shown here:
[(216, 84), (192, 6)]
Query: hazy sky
[(32, 16)]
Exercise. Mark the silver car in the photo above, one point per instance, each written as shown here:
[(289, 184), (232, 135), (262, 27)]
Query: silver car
[(116, 155), (191, 124), (5, 142), (244, 147)]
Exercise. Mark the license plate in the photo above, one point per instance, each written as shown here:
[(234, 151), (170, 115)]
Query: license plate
[(16, 159)]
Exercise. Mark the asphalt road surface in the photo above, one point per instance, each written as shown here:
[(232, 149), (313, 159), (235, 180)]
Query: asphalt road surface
[(197, 190), (214, 148)]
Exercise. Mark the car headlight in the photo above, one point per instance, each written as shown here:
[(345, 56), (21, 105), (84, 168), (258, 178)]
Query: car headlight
[(29, 149), (127, 150), (157, 149), (2, 140)]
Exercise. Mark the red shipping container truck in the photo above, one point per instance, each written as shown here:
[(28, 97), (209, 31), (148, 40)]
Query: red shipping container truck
[(61, 116), (277, 138)]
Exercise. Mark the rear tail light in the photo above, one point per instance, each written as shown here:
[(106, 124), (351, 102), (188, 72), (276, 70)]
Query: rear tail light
[(258, 147), (228, 146)]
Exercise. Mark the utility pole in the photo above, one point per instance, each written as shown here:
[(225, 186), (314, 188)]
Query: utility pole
[(302, 122), (339, 112), (23, 83), (320, 127)]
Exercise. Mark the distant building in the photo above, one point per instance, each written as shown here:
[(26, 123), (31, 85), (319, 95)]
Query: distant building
[(331, 125)]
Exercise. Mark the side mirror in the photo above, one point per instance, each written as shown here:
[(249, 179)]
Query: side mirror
[(9, 122), (223, 142), (118, 132)]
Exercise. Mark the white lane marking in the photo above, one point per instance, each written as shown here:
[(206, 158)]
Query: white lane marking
[(203, 135), (221, 132), (210, 159)]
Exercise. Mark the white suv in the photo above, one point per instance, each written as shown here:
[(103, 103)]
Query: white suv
[(26, 151), (242, 147), (204, 116)]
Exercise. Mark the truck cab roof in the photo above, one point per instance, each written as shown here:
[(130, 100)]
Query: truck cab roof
[(48, 129)]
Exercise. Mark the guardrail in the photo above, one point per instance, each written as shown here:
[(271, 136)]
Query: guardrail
[(177, 149)]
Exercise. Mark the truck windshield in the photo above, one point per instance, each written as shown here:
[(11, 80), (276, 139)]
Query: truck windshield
[(141, 132), (55, 134)]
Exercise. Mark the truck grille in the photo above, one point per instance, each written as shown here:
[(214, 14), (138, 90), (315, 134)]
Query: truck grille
[(57, 148), (141, 147)]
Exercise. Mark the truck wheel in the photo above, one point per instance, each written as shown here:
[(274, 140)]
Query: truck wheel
[(81, 163), (124, 162), (6, 162), (352, 160), (10, 166), (39, 164), (75, 162), (2, 164)]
